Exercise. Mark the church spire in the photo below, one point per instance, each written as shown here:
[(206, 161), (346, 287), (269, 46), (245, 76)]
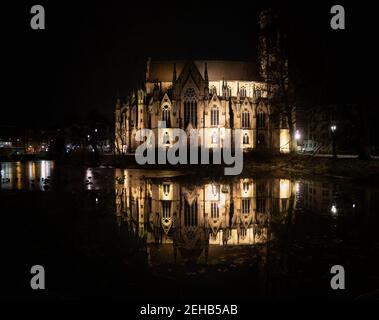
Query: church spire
[(118, 103), (206, 72)]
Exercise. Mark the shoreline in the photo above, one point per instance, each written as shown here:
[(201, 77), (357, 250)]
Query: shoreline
[(294, 165)]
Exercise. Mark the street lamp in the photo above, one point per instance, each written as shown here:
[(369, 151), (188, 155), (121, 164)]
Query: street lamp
[(297, 135), (333, 128)]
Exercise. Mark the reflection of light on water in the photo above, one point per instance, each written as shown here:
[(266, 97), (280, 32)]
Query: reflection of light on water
[(32, 170), (26, 175), (87, 178), (284, 188), (18, 175), (45, 169)]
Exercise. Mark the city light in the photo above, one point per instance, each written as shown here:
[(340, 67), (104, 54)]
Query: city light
[(297, 135), (333, 209), (333, 128)]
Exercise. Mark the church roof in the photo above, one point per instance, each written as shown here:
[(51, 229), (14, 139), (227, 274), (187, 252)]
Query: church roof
[(217, 70)]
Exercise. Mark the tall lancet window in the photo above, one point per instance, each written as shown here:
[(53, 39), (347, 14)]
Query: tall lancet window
[(190, 108), (215, 116), (190, 214), (243, 92), (261, 120), (245, 139), (246, 119), (229, 91), (166, 116)]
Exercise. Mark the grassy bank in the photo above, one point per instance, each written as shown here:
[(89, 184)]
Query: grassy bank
[(302, 165)]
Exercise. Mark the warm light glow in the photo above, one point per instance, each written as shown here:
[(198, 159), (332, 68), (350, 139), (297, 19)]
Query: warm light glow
[(285, 191), (284, 141), (297, 135)]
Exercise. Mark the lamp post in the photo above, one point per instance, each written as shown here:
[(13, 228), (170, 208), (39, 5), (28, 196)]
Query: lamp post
[(333, 129)]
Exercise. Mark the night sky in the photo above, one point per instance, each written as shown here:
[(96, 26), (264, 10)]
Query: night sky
[(90, 51)]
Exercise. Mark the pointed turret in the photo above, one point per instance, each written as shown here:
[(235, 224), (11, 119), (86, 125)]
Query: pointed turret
[(156, 91), (206, 73), (118, 103), (206, 89)]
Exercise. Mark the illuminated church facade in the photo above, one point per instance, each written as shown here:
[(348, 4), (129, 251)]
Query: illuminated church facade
[(210, 95)]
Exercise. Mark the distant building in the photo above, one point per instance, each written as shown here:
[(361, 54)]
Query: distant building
[(12, 140), (17, 141)]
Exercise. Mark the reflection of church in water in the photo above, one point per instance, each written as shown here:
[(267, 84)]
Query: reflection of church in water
[(187, 220)]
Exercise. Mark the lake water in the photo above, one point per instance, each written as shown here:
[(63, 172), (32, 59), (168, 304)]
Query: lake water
[(105, 232)]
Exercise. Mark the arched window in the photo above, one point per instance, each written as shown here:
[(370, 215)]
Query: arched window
[(245, 206), (213, 90), (190, 214), (246, 119), (166, 209), (261, 120), (229, 91), (190, 108), (166, 116), (215, 210), (245, 138), (258, 93), (215, 117), (214, 190), (166, 189), (166, 138), (243, 232), (243, 92)]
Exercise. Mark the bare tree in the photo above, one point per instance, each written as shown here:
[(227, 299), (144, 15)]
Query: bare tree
[(120, 128), (274, 70)]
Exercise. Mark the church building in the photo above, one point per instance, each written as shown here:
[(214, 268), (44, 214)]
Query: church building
[(210, 95)]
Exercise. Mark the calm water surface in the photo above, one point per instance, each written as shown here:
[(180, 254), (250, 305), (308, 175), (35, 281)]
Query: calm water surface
[(165, 235)]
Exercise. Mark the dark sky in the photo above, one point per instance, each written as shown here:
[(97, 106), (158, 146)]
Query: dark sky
[(92, 50)]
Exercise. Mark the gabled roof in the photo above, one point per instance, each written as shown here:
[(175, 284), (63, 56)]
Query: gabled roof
[(217, 70)]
